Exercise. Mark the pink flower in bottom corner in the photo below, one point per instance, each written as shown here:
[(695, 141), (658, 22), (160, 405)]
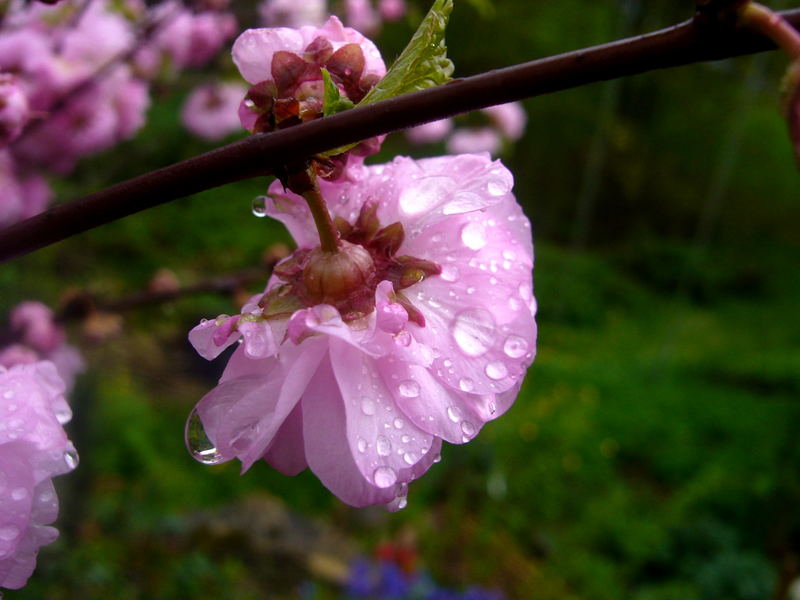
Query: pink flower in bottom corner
[(357, 364), (33, 449)]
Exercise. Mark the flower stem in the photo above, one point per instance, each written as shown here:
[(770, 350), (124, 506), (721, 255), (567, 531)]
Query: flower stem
[(328, 234), (774, 26)]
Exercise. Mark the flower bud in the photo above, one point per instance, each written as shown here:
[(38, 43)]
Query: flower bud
[(335, 277)]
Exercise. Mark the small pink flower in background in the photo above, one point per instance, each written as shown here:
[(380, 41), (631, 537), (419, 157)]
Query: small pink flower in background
[(21, 195), (14, 108), (474, 139), (359, 363), (33, 449), (291, 13), (360, 15), (392, 10), (38, 337), (212, 110), (429, 133), (510, 119)]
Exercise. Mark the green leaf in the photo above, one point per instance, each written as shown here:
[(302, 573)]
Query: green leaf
[(424, 61), (333, 101)]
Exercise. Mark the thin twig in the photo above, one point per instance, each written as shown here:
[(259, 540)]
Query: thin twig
[(259, 155)]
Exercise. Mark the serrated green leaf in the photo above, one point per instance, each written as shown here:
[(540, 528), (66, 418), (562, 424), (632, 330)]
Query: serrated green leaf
[(424, 61), (422, 64), (333, 101)]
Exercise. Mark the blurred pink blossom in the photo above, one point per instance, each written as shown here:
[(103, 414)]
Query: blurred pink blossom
[(510, 119), (14, 108), (192, 39), (33, 449), (474, 139), (429, 133), (291, 13), (425, 332), (392, 10), (212, 111), (21, 195), (360, 15)]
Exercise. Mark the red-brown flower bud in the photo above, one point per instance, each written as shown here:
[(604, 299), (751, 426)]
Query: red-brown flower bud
[(334, 277)]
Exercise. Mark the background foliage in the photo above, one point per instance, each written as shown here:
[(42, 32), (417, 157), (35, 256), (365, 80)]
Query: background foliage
[(653, 451)]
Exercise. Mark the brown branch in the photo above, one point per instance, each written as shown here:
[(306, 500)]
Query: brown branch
[(690, 42)]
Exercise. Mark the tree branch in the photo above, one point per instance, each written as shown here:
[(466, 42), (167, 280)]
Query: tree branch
[(697, 40)]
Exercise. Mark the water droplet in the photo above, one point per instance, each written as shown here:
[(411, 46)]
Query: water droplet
[(259, 206), (362, 445), (384, 477), (473, 234), (515, 346), (509, 254), (400, 503), (424, 194), (383, 446), (63, 414), (463, 202), (197, 442), (405, 439), (437, 458), (367, 406), (408, 389), (71, 457), (496, 187), (466, 384), (19, 494), (403, 339), (398, 423), (468, 429), (410, 458), (496, 370), (9, 533), (474, 331), (8, 394), (454, 414)]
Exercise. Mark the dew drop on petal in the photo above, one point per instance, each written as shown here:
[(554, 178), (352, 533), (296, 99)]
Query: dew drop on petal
[(496, 187), (474, 331), (398, 423), (405, 439), (9, 533), (454, 414), (259, 206), (197, 442), (437, 459), (384, 477), (71, 458), (468, 429), (449, 273), (18, 494), (361, 444), (496, 370), (403, 339), (383, 446), (367, 406), (422, 195), (410, 458), (515, 346), (466, 384), (408, 389), (8, 394), (473, 234)]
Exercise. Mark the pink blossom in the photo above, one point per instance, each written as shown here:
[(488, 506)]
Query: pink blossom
[(474, 139), (21, 195), (211, 110), (253, 50), (360, 15), (291, 13), (38, 337), (192, 39), (33, 449), (510, 119), (14, 108), (429, 133), (392, 10), (420, 329)]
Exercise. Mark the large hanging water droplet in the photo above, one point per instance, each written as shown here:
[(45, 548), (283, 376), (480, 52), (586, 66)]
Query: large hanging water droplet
[(408, 389), (466, 384), (197, 442), (454, 414), (384, 477), (474, 331), (468, 429), (515, 346), (383, 446), (259, 206)]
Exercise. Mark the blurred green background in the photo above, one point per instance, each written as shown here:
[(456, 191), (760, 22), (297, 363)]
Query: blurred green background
[(653, 453)]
